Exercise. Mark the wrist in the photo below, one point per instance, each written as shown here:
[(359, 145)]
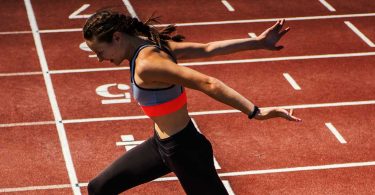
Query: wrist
[(253, 113), (261, 42)]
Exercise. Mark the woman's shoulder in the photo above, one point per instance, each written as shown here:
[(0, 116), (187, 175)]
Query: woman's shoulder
[(152, 53)]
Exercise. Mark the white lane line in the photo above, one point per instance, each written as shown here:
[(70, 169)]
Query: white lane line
[(60, 30), (336, 133), (220, 22), (19, 74), (228, 174), (291, 81), (32, 188), (130, 8), (228, 187), (52, 98), (227, 5), (360, 34), (327, 5), (323, 56), (321, 105), (15, 32), (302, 106), (28, 124), (271, 20), (296, 169), (87, 70)]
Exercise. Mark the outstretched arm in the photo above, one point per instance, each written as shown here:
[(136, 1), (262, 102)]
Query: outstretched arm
[(266, 40), (154, 66)]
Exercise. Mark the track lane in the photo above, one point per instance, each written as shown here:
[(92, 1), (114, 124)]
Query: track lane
[(24, 99), (31, 156)]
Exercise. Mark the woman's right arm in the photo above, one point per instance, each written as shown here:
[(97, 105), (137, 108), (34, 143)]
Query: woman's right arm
[(157, 67)]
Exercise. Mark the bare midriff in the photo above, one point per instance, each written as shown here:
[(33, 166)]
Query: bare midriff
[(172, 123)]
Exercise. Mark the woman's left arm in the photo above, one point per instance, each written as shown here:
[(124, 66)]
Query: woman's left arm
[(266, 40)]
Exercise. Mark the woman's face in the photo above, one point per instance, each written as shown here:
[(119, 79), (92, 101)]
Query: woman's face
[(113, 52)]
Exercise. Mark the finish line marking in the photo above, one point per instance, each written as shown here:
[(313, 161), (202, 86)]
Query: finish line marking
[(52, 99), (228, 174)]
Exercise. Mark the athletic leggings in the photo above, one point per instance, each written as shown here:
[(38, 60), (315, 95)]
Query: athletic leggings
[(187, 153)]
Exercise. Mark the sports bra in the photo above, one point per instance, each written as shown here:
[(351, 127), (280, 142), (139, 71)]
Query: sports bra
[(158, 101)]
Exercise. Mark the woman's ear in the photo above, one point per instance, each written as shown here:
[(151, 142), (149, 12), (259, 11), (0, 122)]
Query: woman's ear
[(116, 36)]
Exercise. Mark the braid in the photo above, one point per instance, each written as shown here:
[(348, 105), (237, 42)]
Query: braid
[(104, 23)]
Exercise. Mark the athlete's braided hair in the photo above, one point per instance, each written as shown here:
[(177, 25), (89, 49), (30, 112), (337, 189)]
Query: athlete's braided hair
[(104, 23)]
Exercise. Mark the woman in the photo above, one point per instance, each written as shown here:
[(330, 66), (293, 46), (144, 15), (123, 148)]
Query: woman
[(158, 86)]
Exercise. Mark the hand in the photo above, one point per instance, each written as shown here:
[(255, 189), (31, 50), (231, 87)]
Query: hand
[(267, 113), (272, 35)]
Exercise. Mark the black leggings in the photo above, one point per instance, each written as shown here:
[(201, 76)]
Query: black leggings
[(187, 153)]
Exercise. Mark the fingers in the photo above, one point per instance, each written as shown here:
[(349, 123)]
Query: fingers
[(275, 25), (293, 118), (282, 33)]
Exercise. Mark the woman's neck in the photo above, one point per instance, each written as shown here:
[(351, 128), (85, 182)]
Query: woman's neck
[(134, 44)]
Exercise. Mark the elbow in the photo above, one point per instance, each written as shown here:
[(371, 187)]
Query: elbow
[(209, 49), (213, 85)]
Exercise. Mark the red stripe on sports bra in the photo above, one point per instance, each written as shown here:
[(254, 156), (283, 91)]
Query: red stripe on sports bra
[(166, 107)]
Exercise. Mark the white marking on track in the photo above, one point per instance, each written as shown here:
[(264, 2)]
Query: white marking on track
[(323, 56), (291, 81), (252, 35), (33, 188), (52, 98), (302, 106), (15, 32), (228, 187), (271, 20), (327, 5), (360, 34), (88, 70), (228, 174), (130, 8), (336, 133), (222, 22), (61, 30), (227, 5), (19, 74), (28, 124), (75, 14)]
